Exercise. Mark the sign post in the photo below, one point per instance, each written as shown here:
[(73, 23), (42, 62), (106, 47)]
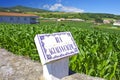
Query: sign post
[(54, 51)]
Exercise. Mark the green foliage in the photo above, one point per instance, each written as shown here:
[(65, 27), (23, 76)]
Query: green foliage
[(98, 20), (99, 50), (85, 16), (21, 9), (98, 54), (51, 14)]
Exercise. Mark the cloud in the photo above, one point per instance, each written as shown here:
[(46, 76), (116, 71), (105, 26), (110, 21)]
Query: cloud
[(56, 7), (60, 7), (46, 6)]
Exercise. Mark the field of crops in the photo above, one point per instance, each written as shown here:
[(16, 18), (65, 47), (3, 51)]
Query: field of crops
[(99, 50)]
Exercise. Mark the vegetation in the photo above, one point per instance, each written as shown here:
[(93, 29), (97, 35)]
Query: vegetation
[(50, 14), (21, 9), (84, 16), (99, 50)]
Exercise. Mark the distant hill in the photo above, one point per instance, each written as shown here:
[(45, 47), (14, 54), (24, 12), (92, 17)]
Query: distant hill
[(55, 14), (21, 9)]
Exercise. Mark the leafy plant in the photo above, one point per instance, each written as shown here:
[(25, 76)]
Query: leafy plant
[(99, 50)]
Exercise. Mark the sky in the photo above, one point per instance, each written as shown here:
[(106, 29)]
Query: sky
[(91, 6)]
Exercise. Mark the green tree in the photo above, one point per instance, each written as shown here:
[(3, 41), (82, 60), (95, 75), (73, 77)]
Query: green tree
[(98, 20)]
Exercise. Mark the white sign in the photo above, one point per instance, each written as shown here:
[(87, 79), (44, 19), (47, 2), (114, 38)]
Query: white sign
[(55, 46)]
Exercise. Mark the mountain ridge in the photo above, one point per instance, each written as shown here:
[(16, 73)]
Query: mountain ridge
[(21, 9)]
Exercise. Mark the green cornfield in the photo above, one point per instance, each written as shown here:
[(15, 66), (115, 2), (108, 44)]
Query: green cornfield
[(99, 50)]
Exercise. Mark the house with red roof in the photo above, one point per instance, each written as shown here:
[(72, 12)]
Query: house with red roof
[(21, 18)]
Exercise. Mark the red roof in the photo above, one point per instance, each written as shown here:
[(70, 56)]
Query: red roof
[(15, 14)]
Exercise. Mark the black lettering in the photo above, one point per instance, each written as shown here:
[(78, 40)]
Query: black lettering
[(71, 46), (58, 39), (67, 47), (63, 48), (57, 49), (52, 51)]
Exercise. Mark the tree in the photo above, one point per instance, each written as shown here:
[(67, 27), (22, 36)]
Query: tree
[(98, 20)]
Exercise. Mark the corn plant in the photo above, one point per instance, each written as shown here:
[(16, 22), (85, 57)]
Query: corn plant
[(99, 49)]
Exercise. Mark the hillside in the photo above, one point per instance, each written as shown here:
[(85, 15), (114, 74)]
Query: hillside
[(21, 9), (51, 14)]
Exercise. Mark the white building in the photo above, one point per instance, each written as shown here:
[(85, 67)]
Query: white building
[(9, 17), (61, 19), (76, 19), (116, 23), (106, 21)]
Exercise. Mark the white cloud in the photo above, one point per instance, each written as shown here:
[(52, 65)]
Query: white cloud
[(46, 6), (60, 7), (71, 9), (56, 7)]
